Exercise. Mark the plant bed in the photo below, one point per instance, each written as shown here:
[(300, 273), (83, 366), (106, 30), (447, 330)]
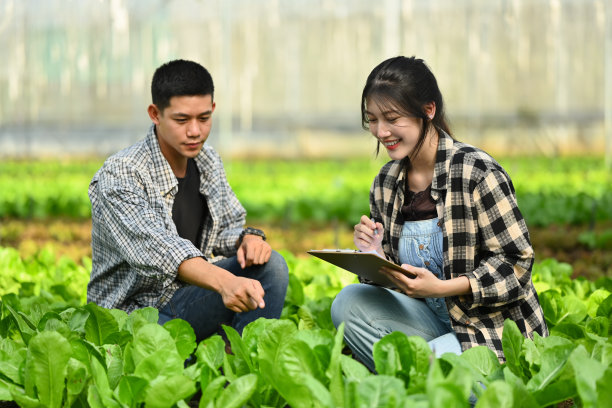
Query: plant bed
[(73, 238)]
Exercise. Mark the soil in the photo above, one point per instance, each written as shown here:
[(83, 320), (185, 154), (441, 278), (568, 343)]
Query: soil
[(73, 238), (561, 242)]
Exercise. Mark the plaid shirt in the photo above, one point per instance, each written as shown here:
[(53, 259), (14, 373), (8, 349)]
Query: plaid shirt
[(136, 248), (485, 240)]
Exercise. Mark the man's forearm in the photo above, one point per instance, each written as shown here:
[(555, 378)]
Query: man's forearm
[(196, 271), (239, 294)]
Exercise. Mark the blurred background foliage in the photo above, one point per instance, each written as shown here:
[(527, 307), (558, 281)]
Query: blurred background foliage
[(530, 81), (518, 76)]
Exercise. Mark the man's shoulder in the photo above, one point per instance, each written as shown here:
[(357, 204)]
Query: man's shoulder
[(137, 152), (209, 161), (209, 155), (136, 157)]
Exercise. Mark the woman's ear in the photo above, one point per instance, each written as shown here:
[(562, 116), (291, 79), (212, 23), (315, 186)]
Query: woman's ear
[(430, 110)]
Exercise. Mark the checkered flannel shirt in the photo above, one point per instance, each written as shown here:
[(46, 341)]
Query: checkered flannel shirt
[(136, 250), (485, 239)]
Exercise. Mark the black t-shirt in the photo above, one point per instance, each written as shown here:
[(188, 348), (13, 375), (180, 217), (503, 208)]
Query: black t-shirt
[(190, 210), (419, 206)]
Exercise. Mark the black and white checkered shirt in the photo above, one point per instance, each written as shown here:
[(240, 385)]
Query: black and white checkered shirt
[(136, 250), (485, 239)]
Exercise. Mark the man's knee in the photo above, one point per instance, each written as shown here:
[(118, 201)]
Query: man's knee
[(277, 263), (277, 269)]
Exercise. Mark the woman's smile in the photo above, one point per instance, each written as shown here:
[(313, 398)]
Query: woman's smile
[(391, 144)]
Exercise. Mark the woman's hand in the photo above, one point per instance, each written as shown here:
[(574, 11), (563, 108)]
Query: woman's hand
[(368, 235), (421, 283)]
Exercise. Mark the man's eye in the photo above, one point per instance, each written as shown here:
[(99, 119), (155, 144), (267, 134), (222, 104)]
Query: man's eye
[(371, 120), (204, 118), (181, 120)]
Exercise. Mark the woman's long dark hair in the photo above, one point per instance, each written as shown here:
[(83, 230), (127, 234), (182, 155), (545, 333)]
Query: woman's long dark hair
[(405, 84)]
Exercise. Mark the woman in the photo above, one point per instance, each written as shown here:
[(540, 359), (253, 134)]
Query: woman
[(446, 211)]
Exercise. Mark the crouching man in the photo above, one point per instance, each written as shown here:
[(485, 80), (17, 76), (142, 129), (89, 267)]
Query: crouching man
[(167, 229)]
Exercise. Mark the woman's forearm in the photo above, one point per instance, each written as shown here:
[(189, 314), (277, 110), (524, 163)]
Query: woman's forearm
[(455, 287)]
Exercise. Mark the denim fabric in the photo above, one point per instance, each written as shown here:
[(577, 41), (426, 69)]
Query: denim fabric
[(420, 245), (371, 312), (205, 311)]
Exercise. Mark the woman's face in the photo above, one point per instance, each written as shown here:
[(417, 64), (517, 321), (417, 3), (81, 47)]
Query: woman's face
[(396, 131)]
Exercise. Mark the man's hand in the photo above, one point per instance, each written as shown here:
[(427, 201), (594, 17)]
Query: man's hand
[(239, 294), (253, 251), (242, 294)]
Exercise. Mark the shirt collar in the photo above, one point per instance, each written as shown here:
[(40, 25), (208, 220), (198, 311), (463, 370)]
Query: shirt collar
[(442, 166), (161, 171)]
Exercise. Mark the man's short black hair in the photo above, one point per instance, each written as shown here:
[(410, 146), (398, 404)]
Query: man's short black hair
[(180, 78)]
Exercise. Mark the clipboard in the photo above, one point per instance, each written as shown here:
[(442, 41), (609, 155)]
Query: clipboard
[(364, 264)]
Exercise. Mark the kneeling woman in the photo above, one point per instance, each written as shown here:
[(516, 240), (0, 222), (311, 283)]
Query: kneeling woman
[(446, 211)]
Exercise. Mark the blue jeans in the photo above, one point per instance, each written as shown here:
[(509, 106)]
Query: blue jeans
[(371, 312), (205, 311)]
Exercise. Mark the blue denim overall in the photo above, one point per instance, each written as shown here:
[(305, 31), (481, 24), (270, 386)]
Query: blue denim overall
[(370, 312), (420, 245)]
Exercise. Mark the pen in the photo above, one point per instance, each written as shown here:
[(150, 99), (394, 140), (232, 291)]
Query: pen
[(375, 229)]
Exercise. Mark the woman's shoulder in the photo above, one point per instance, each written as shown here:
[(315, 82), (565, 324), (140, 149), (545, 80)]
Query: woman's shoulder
[(472, 160)]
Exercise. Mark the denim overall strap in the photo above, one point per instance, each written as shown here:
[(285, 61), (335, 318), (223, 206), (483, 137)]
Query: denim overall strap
[(420, 245)]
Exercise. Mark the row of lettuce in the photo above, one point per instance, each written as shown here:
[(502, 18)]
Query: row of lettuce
[(549, 190), (57, 351)]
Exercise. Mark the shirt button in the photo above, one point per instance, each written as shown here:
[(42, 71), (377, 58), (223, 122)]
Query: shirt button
[(426, 263), (439, 223), (421, 246), (468, 322)]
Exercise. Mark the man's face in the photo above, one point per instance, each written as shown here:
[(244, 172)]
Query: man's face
[(183, 127)]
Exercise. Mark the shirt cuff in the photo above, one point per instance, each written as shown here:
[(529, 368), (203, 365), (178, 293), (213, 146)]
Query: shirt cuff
[(171, 260), (476, 299)]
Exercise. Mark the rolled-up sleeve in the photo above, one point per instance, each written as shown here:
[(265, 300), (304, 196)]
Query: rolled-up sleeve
[(503, 275)]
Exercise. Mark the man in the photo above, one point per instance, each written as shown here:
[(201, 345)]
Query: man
[(167, 227)]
